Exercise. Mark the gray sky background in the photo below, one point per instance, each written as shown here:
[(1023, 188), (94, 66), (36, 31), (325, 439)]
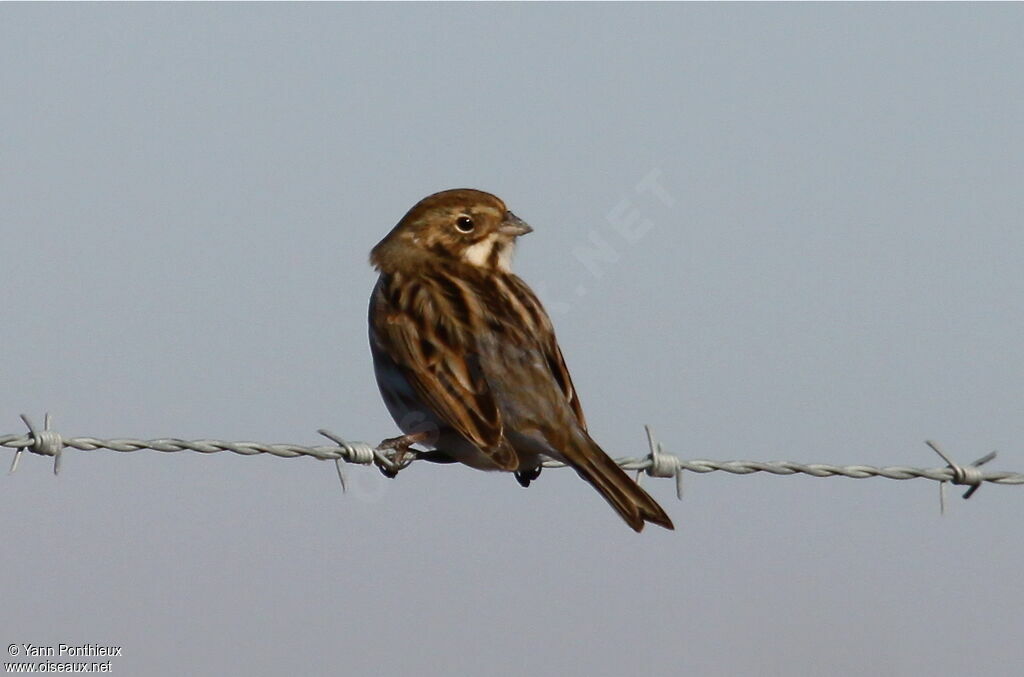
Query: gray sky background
[(189, 194)]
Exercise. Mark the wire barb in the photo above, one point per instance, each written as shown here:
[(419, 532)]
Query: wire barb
[(44, 442), (970, 475), (662, 464), (358, 452)]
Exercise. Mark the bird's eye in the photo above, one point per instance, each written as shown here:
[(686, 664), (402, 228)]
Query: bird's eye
[(464, 224)]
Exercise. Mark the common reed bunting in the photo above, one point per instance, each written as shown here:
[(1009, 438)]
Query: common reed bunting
[(466, 358)]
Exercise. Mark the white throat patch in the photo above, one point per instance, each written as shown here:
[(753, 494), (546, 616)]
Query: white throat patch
[(480, 253)]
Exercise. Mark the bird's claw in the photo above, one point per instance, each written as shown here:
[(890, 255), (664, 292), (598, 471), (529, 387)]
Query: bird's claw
[(394, 454), (524, 477)]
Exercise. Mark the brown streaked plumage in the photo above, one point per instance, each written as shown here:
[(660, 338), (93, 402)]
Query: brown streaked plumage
[(462, 348)]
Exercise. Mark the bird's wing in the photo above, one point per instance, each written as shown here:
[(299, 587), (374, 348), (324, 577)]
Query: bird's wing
[(442, 368), (561, 374), (548, 345)]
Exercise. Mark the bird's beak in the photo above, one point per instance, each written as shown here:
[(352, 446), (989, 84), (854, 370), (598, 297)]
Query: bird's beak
[(514, 226)]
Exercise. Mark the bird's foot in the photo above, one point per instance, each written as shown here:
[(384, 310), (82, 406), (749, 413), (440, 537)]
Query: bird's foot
[(524, 477), (394, 454)]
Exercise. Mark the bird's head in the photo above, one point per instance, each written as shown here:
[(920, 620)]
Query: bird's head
[(454, 226)]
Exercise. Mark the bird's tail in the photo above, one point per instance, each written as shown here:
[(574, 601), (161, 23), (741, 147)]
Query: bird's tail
[(632, 503)]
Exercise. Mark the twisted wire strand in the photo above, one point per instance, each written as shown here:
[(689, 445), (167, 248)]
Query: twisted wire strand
[(323, 452), (657, 464)]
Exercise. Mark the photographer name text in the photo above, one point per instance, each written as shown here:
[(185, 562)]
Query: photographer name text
[(65, 650)]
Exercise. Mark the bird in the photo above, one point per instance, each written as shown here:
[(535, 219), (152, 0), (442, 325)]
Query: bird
[(466, 358)]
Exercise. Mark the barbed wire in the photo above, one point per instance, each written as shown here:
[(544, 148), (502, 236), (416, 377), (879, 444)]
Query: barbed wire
[(657, 463)]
